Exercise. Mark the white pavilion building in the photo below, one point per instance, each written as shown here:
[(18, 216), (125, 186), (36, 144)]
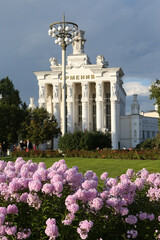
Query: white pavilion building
[(95, 95)]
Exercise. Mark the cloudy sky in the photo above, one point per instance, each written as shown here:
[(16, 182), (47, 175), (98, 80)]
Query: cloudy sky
[(126, 32)]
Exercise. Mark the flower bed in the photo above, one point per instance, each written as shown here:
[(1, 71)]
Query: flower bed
[(152, 154), (60, 203)]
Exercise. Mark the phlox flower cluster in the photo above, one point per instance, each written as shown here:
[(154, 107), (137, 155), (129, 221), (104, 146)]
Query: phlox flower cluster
[(51, 229), (84, 228), (61, 198)]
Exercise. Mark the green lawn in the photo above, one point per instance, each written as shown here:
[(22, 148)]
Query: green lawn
[(114, 167)]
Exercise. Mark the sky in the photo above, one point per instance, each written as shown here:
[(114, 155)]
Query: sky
[(125, 32)]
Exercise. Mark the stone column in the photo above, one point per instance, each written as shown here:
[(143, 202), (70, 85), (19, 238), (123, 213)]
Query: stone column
[(41, 99), (114, 115), (56, 110), (99, 115), (85, 102), (70, 114)]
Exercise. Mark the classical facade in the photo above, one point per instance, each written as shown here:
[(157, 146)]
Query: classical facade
[(138, 126), (95, 95)]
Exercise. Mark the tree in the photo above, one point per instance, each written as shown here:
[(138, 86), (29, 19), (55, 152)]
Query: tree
[(39, 126), (11, 112), (9, 94), (155, 94)]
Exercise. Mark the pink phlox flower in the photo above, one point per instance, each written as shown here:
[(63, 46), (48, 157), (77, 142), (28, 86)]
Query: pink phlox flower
[(130, 173), (116, 203), (84, 228), (26, 233), (132, 234), (131, 219), (151, 178), (43, 173), (157, 182), (153, 194), (144, 173), (89, 174), (57, 187), (62, 169), (19, 163), (114, 191), (2, 178), (87, 184), (23, 182), (56, 178), (151, 217), (2, 164), (37, 176), (23, 197), (124, 211), (51, 221), (96, 204), (12, 208), (73, 208), (3, 238), (51, 173), (105, 194), (34, 200), (2, 218), (51, 230), (124, 177), (11, 230), (70, 174), (70, 199), (142, 216), (111, 182), (47, 188), (10, 174), (35, 185), (104, 176), (14, 186), (42, 165), (3, 210), (68, 219), (139, 182), (86, 225), (3, 188), (2, 230)]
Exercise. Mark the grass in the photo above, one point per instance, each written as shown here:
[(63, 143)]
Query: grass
[(114, 167)]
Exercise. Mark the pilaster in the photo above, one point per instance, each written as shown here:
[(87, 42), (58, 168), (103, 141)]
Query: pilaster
[(70, 114), (41, 99), (99, 99), (114, 114), (85, 102)]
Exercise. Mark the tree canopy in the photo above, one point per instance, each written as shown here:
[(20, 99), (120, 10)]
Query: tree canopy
[(155, 94), (11, 112), (39, 126)]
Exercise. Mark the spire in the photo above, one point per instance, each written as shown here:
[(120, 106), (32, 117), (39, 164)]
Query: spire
[(135, 107)]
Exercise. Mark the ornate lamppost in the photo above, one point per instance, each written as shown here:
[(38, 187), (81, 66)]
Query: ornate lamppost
[(64, 32)]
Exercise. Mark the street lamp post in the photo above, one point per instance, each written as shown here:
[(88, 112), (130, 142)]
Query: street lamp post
[(64, 32)]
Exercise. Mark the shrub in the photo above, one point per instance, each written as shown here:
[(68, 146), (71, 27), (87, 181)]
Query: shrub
[(84, 140), (60, 203), (36, 153)]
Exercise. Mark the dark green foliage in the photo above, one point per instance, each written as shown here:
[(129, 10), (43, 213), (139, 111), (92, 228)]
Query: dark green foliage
[(11, 112), (155, 94), (39, 126), (84, 140), (147, 144), (9, 94), (153, 143)]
